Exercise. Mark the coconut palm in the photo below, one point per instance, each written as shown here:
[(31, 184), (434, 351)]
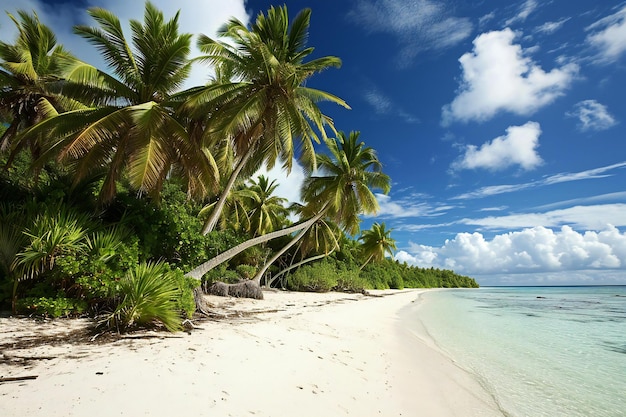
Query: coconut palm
[(132, 129), (319, 241), (322, 236), (343, 189), (30, 78), (260, 101), (266, 212), (376, 243)]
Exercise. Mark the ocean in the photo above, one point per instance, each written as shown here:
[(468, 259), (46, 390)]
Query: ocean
[(539, 351)]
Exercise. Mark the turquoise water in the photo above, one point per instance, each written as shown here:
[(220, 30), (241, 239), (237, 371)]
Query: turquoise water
[(540, 351)]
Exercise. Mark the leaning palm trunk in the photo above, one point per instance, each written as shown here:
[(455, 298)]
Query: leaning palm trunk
[(302, 262), (366, 262), (202, 269), (293, 241), (213, 218)]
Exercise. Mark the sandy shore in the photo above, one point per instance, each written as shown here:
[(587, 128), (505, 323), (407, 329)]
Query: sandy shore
[(292, 354)]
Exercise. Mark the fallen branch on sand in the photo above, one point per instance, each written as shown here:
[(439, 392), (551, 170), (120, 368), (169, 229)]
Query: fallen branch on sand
[(17, 378)]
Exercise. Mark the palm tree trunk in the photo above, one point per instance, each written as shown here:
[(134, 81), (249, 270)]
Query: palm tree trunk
[(213, 218), (293, 241), (199, 271), (290, 267), (366, 262)]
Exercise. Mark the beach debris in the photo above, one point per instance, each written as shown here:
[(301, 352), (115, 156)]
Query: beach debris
[(17, 378)]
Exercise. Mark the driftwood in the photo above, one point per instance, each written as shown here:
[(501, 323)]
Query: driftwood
[(17, 378), (202, 306), (243, 289)]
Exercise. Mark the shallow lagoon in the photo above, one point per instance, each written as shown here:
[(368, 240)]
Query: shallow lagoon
[(540, 351)]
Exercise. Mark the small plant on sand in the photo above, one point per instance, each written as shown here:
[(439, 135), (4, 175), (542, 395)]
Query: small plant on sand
[(148, 297)]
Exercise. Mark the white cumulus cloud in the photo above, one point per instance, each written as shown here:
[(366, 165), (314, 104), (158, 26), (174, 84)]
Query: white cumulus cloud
[(499, 76), (592, 115), (536, 249), (517, 147), (608, 36)]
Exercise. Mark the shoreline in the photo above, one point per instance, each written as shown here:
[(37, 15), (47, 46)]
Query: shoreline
[(291, 354)]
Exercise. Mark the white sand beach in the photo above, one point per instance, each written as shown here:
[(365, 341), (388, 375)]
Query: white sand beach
[(292, 354)]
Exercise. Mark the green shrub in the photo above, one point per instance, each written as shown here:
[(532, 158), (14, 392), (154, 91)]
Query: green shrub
[(319, 277), (220, 273), (94, 274), (185, 300), (51, 307), (148, 297), (376, 276), (397, 283), (350, 281), (246, 271)]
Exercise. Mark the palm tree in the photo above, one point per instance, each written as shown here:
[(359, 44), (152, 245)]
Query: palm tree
[(30, 78), (319, 241), (267, 212), (260, 101), (343, 191), (322, 236), (235, 214), (377, 242), (347, 177), (131, 130)]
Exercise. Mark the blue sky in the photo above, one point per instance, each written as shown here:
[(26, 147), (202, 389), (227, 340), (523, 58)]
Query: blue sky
[(501, 124)]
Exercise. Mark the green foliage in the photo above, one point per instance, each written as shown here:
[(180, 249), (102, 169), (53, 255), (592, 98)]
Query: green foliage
[(349, 280), (170, 231), (392, 274), (377, 276), (56, 232), (185, 301), (96, 276), (246, 271), (220, 273), (319, 277), (51, 307), (148, 297), (397, 283)]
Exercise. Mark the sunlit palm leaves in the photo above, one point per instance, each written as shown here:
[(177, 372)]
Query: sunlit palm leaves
[(31, 71), (376, 243), (342, 189), (149, 294), (345, 180), (267, 212), (322, 236), (259, 100), (132, 129), (55, 232)]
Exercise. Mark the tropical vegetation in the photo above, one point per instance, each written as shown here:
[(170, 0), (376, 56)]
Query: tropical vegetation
[(124, 196)]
